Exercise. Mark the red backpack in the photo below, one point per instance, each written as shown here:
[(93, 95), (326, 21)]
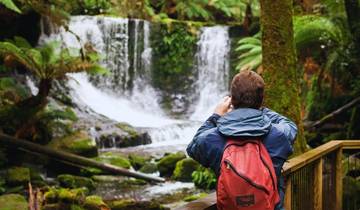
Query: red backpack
[(247, 177)]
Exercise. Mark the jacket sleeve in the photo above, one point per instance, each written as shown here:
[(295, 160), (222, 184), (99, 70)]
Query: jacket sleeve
[(197, 149), (287, 127)]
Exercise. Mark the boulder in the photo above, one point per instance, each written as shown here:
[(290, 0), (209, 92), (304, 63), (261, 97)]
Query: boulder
[(184, 168), (70, 181), (94, 202), (127, 204), (18, 176), (110, 140), (13, 201), (166, 165), (149, 168), (138, 161), (79, 143)]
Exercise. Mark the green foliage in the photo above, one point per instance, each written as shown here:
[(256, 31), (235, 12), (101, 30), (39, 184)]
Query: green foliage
[(203, 10), (171, 43), (48, 62), (310, 31), (204, 178), (250, 51), (10, 5)]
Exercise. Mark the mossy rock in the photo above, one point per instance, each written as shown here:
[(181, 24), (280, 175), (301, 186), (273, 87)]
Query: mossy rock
[(184, 168), (79, 143), (71, 196), (63, 195), (70, 181), (138, 161), (13, 202), (94, 202), (166, 165), (18, 176), (195, 197), (149, 168), (108, 158), (128, 129), (62, 206), (127, 204)]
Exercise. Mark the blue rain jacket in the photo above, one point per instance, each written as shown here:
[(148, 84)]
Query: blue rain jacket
[(278, 134)]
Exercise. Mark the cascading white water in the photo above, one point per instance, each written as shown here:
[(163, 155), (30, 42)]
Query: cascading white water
[(126, 94), (212, 61)]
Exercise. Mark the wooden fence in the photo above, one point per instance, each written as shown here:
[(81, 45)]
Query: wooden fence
[(314, 180)]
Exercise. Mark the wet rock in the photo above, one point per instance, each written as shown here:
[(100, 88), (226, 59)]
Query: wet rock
[(127, 204), (138, 161), (94, 202), (149, 168), (70, 181), (184, 168), (13, 201), (166, 165), (120, 141), (79, 143), (18, 176)]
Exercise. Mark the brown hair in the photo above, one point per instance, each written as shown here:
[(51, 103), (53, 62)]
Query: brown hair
[(247, 90)]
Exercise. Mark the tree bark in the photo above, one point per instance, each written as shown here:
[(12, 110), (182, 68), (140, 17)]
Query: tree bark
[(279, 63), (352, 8), (71, 158)]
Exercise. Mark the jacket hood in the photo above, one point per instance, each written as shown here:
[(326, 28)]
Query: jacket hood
[(244, 122)]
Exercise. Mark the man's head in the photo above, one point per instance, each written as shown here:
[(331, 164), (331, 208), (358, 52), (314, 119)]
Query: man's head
[(247, 90)]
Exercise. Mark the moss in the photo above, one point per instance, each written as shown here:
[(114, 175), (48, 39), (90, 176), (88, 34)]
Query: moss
[(184, 168), (166, 165), (71, 196), (138, 161), (70, 181), (18, 175), (195, 197), (79, 143), (12, 202), (95, 203), (149, 168), (128, 129), (108, 158), (127, 204), (51, 196), (171, 41)]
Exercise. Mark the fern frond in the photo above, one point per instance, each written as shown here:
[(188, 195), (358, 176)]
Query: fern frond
[(10, 5)]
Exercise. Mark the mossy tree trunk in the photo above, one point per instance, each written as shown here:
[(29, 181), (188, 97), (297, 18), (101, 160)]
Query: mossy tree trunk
[(279, 63)]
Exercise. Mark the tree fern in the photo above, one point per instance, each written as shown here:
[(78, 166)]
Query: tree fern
[(309, 31), (10, 5)]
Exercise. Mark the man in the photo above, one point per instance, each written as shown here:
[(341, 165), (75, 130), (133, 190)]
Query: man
[(242, 115)]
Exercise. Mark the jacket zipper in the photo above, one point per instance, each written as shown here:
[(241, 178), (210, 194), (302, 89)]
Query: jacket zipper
[(262, 188)]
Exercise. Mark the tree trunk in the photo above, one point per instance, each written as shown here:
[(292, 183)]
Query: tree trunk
[(279, 63), (352, 8), (71, 158)]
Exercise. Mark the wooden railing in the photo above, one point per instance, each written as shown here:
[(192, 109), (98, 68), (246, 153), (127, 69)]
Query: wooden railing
[(313, 180)]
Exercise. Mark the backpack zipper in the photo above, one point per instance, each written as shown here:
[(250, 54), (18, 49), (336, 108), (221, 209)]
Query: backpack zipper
[(262, 188)]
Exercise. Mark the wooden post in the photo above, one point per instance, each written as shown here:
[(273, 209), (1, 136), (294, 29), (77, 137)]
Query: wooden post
[(318, 184), (288, 189), (338, 180)]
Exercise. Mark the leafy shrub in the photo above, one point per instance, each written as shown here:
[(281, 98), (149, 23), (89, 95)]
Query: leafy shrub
[(204, 178)]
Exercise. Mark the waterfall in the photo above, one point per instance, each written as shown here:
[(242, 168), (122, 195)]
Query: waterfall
[(212, 63), (126, 94)]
